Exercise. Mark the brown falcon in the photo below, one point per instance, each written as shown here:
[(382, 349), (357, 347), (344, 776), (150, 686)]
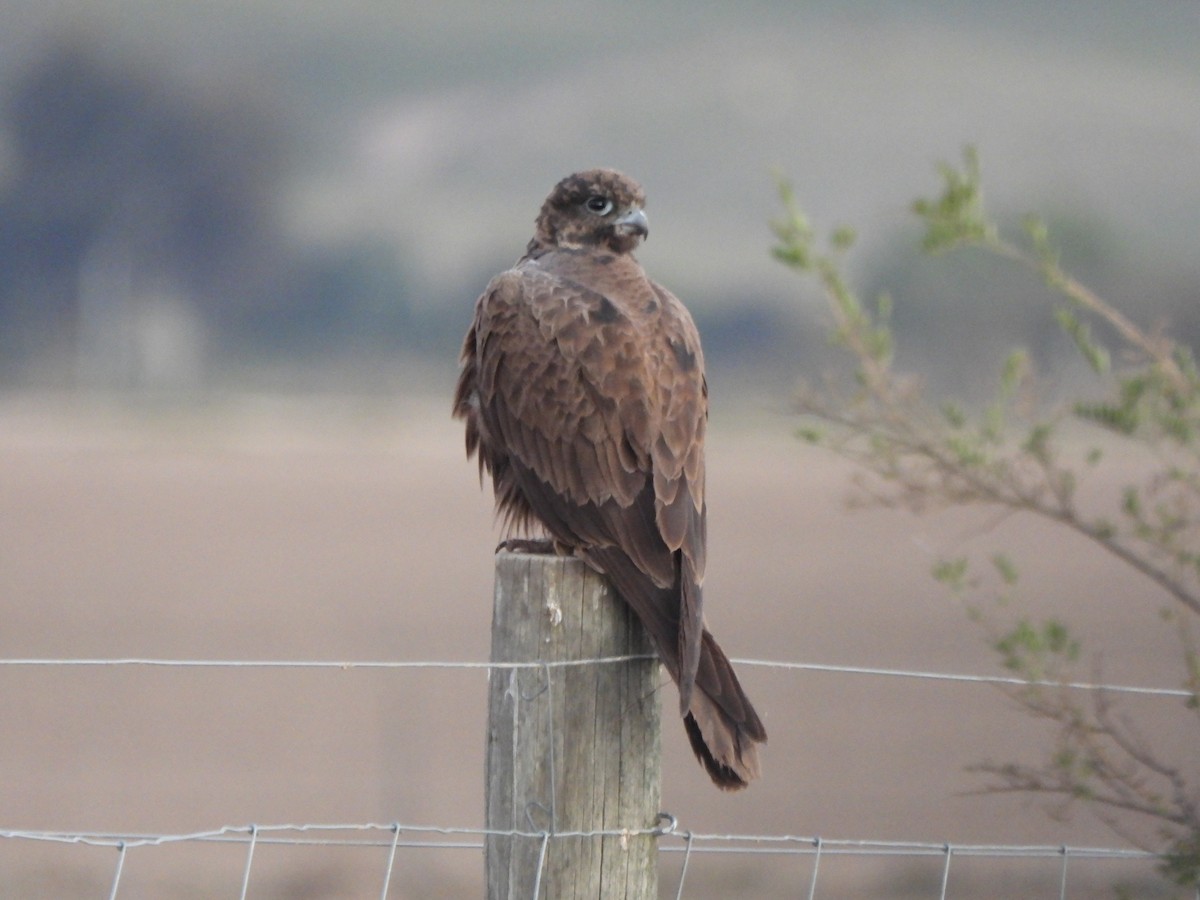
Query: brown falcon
[(583, 391)]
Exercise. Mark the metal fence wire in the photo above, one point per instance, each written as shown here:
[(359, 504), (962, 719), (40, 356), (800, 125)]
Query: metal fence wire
[(676, 841)]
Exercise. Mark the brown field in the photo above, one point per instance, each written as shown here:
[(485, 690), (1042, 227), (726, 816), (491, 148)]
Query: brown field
[(349, 529)]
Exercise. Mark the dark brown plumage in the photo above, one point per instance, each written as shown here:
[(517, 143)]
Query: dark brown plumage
[(583, 391)]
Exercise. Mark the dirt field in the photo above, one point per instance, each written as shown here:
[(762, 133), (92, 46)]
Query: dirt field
[(348, 529)]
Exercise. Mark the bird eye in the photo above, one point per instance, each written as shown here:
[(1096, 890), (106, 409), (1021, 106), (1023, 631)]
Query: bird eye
[(601, 206)]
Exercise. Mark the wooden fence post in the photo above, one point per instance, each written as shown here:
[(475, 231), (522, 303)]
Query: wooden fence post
[(569, 748)]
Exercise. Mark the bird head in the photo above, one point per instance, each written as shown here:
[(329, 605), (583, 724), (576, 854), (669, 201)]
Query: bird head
[(599, 208)]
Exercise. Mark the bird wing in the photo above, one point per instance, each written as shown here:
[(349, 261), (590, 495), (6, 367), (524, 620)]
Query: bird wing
[(592, 406), (586, 402)]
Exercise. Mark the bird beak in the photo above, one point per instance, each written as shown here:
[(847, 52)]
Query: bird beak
[(633, 222)]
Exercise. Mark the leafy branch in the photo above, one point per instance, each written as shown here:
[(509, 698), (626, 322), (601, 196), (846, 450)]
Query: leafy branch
[(1010, 456)]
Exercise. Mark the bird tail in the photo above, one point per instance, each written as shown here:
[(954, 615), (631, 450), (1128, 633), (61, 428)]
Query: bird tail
[(721, 722)]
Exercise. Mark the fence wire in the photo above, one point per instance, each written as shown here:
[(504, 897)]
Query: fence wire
[(389, 838), (346, 665)]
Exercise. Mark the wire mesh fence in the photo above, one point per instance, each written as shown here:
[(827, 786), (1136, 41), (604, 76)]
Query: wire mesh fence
[(1072, 870), (390, 839)]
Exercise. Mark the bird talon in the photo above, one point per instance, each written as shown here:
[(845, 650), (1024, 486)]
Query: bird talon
[(535, 546)]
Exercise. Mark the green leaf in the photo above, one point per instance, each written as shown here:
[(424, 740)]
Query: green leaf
[(967, 451), (1181, 863), (843, 237), (1014, 373), (1123, 419), (1037, 443), (1131, 502), (1030, 650), (954, 415), (1006, 568), (810, 435), (1058, 640), (1079, 332), (956, 216), (951, 572)]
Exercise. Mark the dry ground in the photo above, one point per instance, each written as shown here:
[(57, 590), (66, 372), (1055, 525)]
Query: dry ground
[(346, 529)]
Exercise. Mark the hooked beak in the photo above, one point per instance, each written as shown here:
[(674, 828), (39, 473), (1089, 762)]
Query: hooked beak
[(633, 222)]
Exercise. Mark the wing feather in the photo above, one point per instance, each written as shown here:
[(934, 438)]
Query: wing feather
[(587, 404)]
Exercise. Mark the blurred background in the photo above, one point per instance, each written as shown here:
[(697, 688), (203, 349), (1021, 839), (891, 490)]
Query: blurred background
[(239, 245), (194, 194)]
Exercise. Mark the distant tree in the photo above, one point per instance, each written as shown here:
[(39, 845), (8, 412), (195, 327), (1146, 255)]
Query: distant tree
[(1013, 456), (123, 176)]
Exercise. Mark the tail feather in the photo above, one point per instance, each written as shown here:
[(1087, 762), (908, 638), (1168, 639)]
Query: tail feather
[(721, 722), (717, 762)]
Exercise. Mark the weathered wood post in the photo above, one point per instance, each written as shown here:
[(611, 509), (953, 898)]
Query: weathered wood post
[(570, 748)]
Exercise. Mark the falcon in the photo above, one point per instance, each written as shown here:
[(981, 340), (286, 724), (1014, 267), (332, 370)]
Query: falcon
[(583, 392)]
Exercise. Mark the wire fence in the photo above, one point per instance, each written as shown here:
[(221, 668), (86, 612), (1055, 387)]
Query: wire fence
[(674, 837), (391, 838), (346, 665)]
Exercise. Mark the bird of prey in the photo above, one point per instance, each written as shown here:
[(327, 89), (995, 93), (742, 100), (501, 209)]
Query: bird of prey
[(583, 391)]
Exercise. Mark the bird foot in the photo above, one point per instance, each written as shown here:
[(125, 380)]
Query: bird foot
[(536, 546)]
